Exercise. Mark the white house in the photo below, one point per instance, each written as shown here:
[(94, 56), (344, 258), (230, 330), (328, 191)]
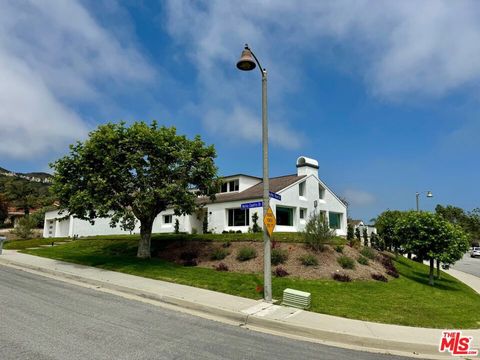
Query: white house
[(302, 195)]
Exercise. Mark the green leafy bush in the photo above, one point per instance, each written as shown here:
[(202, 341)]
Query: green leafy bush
[(379, 277), (219, 254), (278, 256), (346, 262), (368, 253), (339, 249), (362, 260), (317, 232), (308, 260), (246, 253), (24, 229)]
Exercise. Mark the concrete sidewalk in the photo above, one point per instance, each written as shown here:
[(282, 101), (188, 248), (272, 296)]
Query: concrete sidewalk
[(470, 280), (257, 315)]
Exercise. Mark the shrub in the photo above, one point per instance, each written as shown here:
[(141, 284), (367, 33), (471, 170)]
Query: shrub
[(177, 227), (346, 262), (363, 260), (339, 249), (280, 272), (365, 236), (218, 254), (190, 262), (355, 244), (279, 256), (239, 231), (256, 228), (189, 255), (350, 233), (224, 232), (308, 260), (379, 277), (221, 267), (368, 253), (389, 266), (24, 229), (226, 244), (317, 232), (341, 277), (246, 253)]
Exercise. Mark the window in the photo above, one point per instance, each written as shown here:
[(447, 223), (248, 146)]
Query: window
[(167, 219), (321, 191), (224, 188), (301, 189), (334, 220), (284, 216), (233, 185), (238, 217), (303, 213)]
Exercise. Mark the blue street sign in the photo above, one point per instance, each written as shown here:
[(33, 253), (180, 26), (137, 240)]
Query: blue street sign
[(252, 205), (275, 196)]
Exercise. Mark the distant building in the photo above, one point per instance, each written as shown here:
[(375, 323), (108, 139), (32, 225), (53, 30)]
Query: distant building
[(302, 194), (371, 229)]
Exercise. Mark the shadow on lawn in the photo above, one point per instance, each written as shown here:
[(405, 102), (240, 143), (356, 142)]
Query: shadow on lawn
[(422, 278)]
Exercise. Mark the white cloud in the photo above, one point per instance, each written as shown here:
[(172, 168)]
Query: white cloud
[(54, 57), (356, 197), (401, 48)]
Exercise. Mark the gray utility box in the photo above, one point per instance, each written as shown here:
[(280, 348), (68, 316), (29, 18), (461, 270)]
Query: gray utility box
[(296, 298), (2, 240)]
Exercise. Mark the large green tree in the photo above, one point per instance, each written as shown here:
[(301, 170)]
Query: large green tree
[(385, 224), (3, 209), (134, 173), (431, 237), (22, 194)]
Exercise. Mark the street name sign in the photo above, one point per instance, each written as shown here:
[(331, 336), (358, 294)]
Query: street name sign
[(252, 205), (275, 195), (269, 221)]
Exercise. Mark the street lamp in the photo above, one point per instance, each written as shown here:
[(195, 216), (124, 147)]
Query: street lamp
[(248, 61), (417, 195)]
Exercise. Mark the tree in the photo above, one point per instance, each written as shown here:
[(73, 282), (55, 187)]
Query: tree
[(357, 234), (317, 232), (365, 236), (429, 236), (134, 173), (3, 209), (385, 224), (21, 194), (350, 233), (24, 229), (255, 227)]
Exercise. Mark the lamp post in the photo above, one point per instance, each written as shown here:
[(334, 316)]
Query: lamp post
[(417, 195), (248, 61)]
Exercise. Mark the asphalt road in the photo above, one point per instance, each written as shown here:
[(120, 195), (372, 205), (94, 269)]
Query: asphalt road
[(41, 318), (469, 265)]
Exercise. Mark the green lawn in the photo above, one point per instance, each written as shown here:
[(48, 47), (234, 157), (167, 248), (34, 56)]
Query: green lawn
[(24, 244), (408, 300)]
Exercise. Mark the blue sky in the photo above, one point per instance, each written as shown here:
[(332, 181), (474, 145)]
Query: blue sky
[(383, 94)]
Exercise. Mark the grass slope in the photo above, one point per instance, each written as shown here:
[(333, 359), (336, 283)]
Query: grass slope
[(408, 300)]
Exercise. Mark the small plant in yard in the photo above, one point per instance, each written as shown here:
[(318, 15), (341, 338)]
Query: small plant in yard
[(190, 262), (341, 277), (221, 267), (365, 236), (346, 262), (308, 260), (279, 256), (24, 229), (339, 249), (362, 260), (256, 228), (219, 254), (280, 272), (379, 277), (246, 253), (177, 227), (389, 266), (368, 253), (226, 244), (189, 258), (317, 232)]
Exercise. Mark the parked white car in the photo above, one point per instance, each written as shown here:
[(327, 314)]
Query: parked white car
[(475, 252)]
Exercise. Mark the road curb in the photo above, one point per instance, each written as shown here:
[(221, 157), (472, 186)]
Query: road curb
[(339, 339)]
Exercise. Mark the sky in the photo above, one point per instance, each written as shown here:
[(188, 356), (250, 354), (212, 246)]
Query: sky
[(385, 95)]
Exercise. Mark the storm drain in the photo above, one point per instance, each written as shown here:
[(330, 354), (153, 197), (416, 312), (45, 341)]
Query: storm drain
[(296, 298)]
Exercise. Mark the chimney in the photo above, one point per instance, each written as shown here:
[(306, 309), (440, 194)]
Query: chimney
[(307, 166)]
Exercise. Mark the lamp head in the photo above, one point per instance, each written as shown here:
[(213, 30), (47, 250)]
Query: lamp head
[(246, 62), (429, 194)]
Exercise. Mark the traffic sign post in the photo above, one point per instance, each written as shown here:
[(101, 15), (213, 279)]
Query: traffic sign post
[(269, 221)]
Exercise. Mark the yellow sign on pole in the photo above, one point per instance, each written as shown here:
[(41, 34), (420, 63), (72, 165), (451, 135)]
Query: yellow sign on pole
[(269, 221)]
